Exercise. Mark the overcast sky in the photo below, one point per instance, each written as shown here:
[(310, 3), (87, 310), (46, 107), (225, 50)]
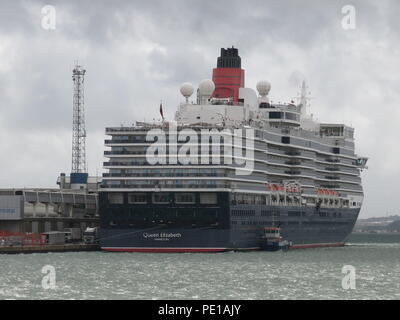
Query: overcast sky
[(139, 52)]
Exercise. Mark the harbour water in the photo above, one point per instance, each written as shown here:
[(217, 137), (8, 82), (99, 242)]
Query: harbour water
[(296, 274)]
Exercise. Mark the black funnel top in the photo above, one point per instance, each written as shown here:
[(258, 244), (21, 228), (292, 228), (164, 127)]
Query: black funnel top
[(229, 58)]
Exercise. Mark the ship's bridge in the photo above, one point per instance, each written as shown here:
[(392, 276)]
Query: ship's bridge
[(287, 114)]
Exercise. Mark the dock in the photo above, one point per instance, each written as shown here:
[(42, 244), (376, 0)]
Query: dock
[(48, 248)]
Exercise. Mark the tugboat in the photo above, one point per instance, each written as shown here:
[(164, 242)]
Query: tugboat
[(271, 240)]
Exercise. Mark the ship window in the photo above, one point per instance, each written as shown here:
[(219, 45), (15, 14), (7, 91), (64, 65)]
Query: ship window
[(291, 116), (208, 198), (275, 115), (116, 198), (161, 198), (184, 198), (286, 140), (259, 199), (137, 198), (245, 199), (264, 105)]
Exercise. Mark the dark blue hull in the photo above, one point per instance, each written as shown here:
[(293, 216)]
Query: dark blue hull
[(233, 227)]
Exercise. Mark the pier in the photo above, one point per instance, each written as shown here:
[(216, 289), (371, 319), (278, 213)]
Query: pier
[(48, 248)]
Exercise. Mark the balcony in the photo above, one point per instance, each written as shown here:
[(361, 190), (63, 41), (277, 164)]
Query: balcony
[(332, 160), (157, 174), (293, 153), (330, 186), (293, 163), (332, 169), (332, 177), (177, 186), (291, 172)]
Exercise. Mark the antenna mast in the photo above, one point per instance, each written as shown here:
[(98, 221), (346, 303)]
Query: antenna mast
[(78, 123)]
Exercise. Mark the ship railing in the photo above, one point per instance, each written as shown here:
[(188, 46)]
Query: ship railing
[(106, 153), (123, 164), (148, 175), (174, 186), (145, 164), (131, 141), (140, 126)]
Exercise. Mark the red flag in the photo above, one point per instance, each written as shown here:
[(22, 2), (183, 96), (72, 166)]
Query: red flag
[(161, 111)]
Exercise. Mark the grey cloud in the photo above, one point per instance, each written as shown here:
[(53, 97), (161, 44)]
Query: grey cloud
[(138, 52)]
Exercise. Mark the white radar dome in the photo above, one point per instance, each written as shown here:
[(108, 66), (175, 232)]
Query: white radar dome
[(187, 89), (206, 88), (263, 88)]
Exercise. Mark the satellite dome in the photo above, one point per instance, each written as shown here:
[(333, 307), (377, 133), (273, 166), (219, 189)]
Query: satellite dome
[(187, 89), (263, 88), (206, 88)]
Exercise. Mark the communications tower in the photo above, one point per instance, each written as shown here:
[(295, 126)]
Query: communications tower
[(79, 168)]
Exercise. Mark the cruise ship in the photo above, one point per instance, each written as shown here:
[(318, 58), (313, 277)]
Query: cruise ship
[(231, 164)]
